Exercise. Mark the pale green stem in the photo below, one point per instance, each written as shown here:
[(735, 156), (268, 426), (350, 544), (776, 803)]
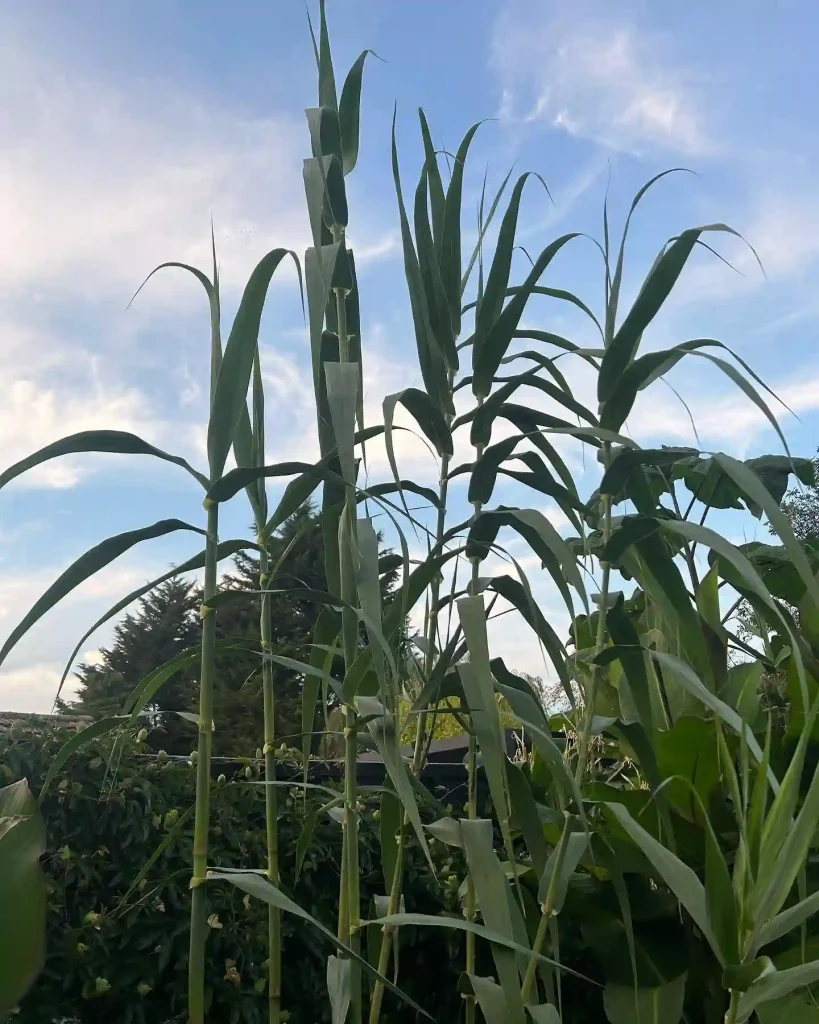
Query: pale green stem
[(274, 934), (199, 905), (547, 911), (537, 946), (349, 898), (733, 1008), (471, 896), (591, 689), (419, 755), (583, 755), (472, 783)]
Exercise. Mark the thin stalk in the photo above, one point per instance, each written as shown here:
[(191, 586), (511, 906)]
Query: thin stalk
[(274, 926), (583, 757), (472, 784), (349, 896), (420, 750), (733, 1008), (585, 735), (199, 904), (688, 551), (471, 896), (547, 910), (476, 505)]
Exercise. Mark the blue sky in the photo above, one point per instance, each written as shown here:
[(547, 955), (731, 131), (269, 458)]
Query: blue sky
[(125, 126)]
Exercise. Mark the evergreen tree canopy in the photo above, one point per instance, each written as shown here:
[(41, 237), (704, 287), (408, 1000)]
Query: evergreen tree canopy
[(166, 622)]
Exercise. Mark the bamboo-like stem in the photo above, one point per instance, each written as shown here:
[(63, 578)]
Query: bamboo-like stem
[(349, 897), (547, 911), (199, 905), (583, 755), (274, 926), (419, 752), (472, 783), (733, 1008), (591, 689), (471, 896)]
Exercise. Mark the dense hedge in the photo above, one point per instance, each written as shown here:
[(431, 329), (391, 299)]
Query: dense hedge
[(126, 963)]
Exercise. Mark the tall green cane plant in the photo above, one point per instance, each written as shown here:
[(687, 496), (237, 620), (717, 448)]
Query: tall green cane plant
[(609, 826), (230, 374), (622, 374)]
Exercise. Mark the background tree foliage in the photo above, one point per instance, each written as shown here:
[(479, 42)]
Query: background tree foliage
[(118, 946), (166, 622)]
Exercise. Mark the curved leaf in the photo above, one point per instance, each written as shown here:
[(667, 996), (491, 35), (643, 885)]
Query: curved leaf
[(224, 550), (117, 442), (440, 320), (750, 483), (516, 594), (775, 985), (437, 198), (86, 565), (614, 296), (238, 479), (497, 282), (655, 290), (451, 233), (256, 885), (492, 1000), (486, 362), (378, 490), (553, 293), (230, 396), (459, 924), (349, 107), (23, 895), (687, 678), (77, 742), (430, 358), (546, 542), (679, 878), (425, 413), (148, 687)]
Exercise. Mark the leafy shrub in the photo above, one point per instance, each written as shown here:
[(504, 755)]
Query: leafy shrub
[(124, 960)]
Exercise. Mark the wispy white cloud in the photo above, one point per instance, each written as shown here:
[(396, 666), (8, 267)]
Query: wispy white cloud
[(782, 225), (97, 187), (588, 74), (33, 415), (98, 184), (722, 418), (31, 689)]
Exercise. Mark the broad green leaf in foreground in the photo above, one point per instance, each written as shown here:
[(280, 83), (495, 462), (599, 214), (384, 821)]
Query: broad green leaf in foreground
[(661, 1005), (22, 895), (679, 878), (776, 985)]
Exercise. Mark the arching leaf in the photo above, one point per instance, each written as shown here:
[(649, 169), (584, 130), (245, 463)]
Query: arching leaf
[(86, 565), (117, 442)]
